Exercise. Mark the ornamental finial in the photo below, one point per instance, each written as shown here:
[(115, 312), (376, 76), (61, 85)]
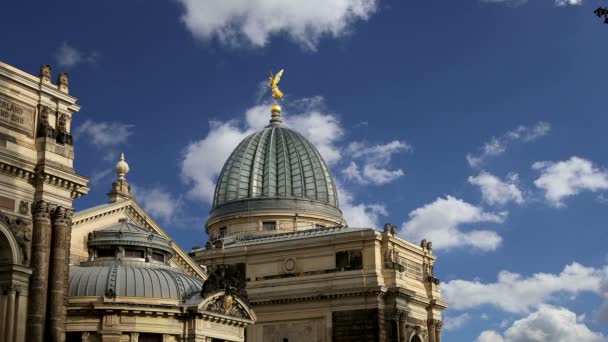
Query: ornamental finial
[(122, 168), (277, 94)]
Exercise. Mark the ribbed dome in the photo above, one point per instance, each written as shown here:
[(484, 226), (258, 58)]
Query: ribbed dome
[(127, 281), (275, 168)]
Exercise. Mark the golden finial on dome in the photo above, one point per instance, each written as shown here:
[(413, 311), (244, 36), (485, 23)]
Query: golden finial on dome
[(277, 94), (273, 83)]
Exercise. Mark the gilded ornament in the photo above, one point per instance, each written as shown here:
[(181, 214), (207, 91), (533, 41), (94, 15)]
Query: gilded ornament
[(273, 83)]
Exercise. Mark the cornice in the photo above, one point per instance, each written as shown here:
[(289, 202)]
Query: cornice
[(373, 292), (28, 80)]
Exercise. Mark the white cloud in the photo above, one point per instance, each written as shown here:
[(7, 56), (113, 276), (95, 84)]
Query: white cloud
[(515, 293), (489, 336), (495, 191), (360, 215), (568, 2), (157, 202), (375, 159), (548, 323), (517, 3), (455, 322), (203, 159), (68, 56), (322, 129), (104, 134), (603, 312), (498, 146), (441, 222), (254, 22), (98, 175), (567, 178)]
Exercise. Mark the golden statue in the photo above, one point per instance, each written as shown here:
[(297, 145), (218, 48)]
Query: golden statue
[(273, 82)]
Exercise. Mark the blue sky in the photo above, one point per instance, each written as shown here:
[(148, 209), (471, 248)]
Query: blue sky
[(396, 95)]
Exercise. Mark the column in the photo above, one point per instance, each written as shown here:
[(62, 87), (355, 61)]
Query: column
[(402, 330), (41, 244), (10, 315), (21, 314), (431, 330), (61, 219), (3, 297), (438, 326)]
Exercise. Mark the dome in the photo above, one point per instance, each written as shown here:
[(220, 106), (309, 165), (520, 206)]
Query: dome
[(276, 169), (126, 260), (131, 281)]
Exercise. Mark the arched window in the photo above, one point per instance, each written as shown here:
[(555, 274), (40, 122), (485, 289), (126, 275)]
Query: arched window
[(416, 339)]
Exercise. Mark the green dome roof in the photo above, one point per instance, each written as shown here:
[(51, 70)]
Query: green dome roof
[(275, 168)]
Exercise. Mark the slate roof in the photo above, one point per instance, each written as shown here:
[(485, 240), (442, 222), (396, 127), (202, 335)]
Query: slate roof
[(129, 281), (303, 234)]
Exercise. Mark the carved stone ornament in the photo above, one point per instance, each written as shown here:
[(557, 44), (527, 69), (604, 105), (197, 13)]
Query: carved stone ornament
[(23, 208), (44, 128), (62, 216), (63, 137), (45, 72), (63, 79), (227, 305), (289, 265), (230, 278), (22, 232), (41, 210)]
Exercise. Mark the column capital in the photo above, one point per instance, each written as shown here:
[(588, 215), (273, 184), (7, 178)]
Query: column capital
[(62, 215), (41, 210), (435, 324)]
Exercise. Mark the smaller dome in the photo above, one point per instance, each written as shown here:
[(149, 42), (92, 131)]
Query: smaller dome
[(130, 281), (130, 261)]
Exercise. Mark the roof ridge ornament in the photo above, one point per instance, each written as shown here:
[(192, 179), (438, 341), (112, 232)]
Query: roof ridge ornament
[(120, 188), (277, 94)]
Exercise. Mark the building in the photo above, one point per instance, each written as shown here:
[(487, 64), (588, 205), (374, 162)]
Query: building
[(108, 273), (37, 186), (130, 282), (309, 276)]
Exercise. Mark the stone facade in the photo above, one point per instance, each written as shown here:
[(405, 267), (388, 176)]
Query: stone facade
[(150, 289), (309, 276), (37, 186)]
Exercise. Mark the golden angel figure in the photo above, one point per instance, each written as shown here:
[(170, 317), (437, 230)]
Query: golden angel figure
[(273, 82)]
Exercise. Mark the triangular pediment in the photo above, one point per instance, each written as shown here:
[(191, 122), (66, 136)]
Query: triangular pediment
[(105, 215)]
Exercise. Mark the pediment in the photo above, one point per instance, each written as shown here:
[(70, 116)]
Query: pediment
[(229, 304), (99, 217)]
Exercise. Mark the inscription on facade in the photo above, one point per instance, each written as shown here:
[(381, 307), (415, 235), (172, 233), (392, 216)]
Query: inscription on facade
[(16, 116)]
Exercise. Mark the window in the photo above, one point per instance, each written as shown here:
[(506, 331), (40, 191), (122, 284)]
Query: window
[(349, 260), (150, 338), (134, 253), (319, 226), (158, 257), (269, 226), (222, 232), (106, 253)]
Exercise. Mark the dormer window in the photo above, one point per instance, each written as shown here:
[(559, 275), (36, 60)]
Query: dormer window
[(106, 253), (269, 226), (134, 253), (158, 257)]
